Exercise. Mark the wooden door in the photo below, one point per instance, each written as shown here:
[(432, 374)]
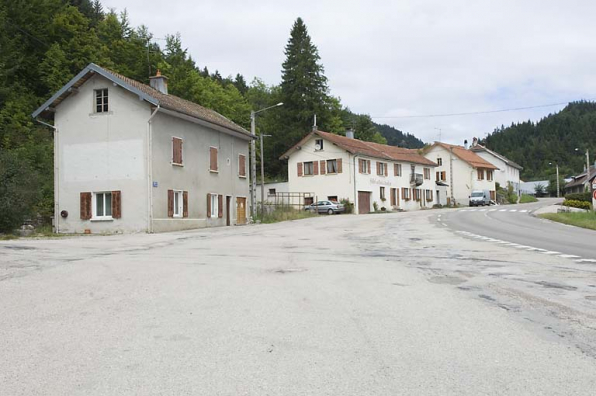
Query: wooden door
[(228, 203), (240, 210), (363, 202)]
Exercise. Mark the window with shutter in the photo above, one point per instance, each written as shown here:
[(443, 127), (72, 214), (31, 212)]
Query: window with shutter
[(308, 168), (102, 206), (242, 165), (178, 203), (332, 166), (480, 174), (213, 159), (214, 205), (176, 151)]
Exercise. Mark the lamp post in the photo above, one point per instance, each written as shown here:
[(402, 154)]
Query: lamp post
[(263, 175), (558, 188), (253, 158)]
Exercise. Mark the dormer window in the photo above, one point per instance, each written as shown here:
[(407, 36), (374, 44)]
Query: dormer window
[(101, 100), (318, 144)]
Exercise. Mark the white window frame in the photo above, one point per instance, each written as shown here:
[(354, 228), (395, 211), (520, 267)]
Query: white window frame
[(382, 194), (95, 215), (312, 168), (399, 172), (365, 170), (406, 194), (331, 161), (319, 141), (382, 168), (179, 208), (104, 101), (439, 161), (214, 205)]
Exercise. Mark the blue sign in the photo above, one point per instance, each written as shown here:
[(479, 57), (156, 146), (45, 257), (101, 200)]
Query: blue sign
[(155, 184)]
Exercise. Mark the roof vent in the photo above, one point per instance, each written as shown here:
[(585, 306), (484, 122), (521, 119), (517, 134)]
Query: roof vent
[(159, 82), (350, 134)]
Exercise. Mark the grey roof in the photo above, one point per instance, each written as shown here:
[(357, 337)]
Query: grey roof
[(581, 178), (502, 157), (144, 92)]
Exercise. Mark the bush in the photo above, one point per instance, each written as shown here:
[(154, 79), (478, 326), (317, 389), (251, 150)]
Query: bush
[(512, 198), (284, 213), (584, 197), (525, 198), (348, 205), (375, 206), (577, 204)]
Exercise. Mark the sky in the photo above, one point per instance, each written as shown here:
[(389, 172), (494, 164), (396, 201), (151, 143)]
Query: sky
[(398, 59)]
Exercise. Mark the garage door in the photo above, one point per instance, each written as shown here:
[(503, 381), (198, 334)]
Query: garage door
[(363, 202), (240, 210)]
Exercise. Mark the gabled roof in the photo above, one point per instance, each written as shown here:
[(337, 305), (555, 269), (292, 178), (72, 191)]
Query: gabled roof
[(581, 178), (370, 149), (478, 148), (144, 92), (466, 155)]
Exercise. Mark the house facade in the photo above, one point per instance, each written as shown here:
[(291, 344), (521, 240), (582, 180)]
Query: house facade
[(333, 167), (462, 171), (131, 158), (580, 183), (508, 172)]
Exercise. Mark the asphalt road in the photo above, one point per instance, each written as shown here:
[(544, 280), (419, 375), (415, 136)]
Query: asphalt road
[(516, 224), (386, 304)]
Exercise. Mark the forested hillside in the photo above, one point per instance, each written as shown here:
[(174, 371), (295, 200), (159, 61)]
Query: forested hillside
[(44, 43), (395, 137), (552, 139)]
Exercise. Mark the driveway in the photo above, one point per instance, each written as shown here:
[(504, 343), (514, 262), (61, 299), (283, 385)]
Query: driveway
[(334, 305)]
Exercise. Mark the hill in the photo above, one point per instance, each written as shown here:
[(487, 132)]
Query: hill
[(553, 139), (395, 137)]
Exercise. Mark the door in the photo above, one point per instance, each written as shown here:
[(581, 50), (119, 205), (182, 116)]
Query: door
[(363, 202), (228, 203), (240, 211)]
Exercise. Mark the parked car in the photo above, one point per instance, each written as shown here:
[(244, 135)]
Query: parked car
[(480, 197), (329, 207)]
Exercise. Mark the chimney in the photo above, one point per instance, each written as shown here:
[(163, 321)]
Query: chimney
[(466, 144), (474, 142), (350, 134), (159, 82)]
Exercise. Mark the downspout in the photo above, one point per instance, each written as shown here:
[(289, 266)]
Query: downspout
[(150, 171), (451, 176), (56, 174), (354, 172)]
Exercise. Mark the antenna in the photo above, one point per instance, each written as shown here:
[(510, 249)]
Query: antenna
[(440, 133)]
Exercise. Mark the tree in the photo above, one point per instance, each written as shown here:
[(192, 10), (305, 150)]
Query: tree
[(539, 189)]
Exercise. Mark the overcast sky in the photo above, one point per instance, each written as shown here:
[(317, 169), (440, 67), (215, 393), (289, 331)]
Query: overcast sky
[(403, 58)]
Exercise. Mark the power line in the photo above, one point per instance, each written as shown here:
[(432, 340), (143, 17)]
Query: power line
[(478, 112)]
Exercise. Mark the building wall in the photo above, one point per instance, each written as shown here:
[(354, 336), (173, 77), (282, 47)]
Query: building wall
[(101, 152), (195, 176), (505, 174)]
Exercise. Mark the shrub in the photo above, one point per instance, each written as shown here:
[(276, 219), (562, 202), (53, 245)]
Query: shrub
[(584, 197), (577, 204), (512, 198), (375, 206), (348, 205), (525, 198)]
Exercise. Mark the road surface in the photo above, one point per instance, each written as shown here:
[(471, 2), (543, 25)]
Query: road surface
[(386, 304)]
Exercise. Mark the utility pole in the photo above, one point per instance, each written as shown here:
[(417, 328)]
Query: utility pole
[(253, 165), (262, 176), (558, 187)]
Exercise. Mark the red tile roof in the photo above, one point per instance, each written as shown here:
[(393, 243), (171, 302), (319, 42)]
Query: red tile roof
[(466, 155), (370, 149)]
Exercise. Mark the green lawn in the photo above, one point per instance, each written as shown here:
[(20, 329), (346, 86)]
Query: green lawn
[(525, 198), (578, 219)]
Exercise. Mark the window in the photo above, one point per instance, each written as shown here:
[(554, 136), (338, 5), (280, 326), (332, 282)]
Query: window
[(394, 196), (381, 169), (440, 161), (480, 174), (272, 191), (331, 166), (102, 208), (308, 168), (405, 193), (178, 203), (429, 195), (364, 166), (242, 165), (318, 144), (176, 151), (417, 194), (489, 175), (441, 176), (332, 198), (382, 193), (213, 159), (397, 169), (308, 200), (427, 173), (101, 100), (214, 205)]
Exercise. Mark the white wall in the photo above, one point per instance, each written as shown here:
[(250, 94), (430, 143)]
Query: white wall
[(102, 152), (505, 174)]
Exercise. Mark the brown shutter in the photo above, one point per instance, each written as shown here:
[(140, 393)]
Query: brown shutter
[(170, 203), (220, 206), (315, 168), (339, 165), (323, 169), (208, 205), (213, 158), (394, 169), (361, 165), (299, 169), (369, 168), (185, 204), (392, 196), (176, 150), (85, 206), (397, 197), (242, 165), (116, 204)]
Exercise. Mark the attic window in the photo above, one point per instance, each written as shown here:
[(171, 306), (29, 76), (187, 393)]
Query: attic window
[(318, 144), (101, 100)]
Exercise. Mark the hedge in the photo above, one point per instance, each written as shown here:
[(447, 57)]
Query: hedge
[(577, 204), (584, 197)]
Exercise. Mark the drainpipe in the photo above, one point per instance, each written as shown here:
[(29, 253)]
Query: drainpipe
[(451, 175), (354, 172), (56, 174), (150, 171)]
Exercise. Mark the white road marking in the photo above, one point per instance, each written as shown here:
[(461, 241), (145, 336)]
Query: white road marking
[(523, 211), (482, 210), (550, 252), (492, 210), (502, 210), (586, 261), (513, 210), (568, 256)]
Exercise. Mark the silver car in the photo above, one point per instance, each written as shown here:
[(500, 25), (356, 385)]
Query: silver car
[(328, 207)]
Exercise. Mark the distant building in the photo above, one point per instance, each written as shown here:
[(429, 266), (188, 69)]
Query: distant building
[(335, 167), (131, 158), (579, 183), (507, 172), (529, 188)]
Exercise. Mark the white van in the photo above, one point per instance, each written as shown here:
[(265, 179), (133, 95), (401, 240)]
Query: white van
[(480, 197)]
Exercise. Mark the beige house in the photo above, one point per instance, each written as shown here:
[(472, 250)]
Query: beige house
[(129, 157)]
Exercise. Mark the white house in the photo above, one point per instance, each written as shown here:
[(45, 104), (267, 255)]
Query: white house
[(462, 170), (508, 172), (335, 167), (131, 158)]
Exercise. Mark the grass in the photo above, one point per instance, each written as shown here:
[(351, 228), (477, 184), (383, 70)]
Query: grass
[(285, 214), (578, 219), (525, 198)]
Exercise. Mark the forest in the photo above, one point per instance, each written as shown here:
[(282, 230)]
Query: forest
[(46, 42)]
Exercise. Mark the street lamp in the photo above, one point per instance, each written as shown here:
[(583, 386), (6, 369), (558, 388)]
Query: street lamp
[(262, 175), (253, 157), (558, 188)]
